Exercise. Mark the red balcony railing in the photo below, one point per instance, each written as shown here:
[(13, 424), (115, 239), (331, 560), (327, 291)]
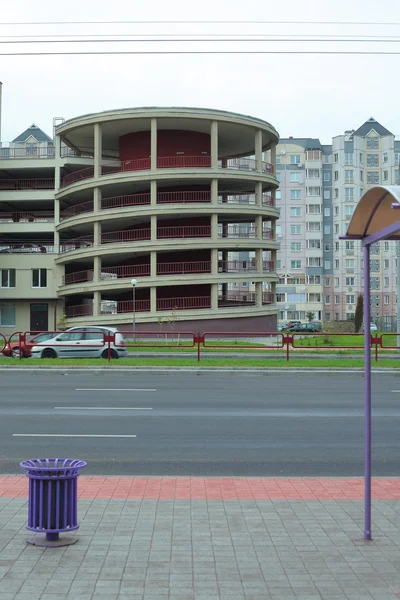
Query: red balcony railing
[(237, 231), (129, 235), (185, 231), (34, 216), (126, 271), (172, 268), (80, 310), (244, 299), (231, 198), (184, 303), (126, 306), (78, 277), (27, 184), (168, 162), (182, 197), (268, 233), (77, 209), (83, 241), (128, 200)]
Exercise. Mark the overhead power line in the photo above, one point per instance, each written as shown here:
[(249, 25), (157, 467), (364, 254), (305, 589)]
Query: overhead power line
[(202, 40), (198, 52), (209, 22)]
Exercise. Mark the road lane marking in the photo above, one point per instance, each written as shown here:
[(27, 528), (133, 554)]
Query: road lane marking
[(71, 435), (100, 408), (115, 390)]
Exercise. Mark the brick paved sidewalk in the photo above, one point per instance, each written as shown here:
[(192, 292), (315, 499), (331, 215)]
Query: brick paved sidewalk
[(208, 539)]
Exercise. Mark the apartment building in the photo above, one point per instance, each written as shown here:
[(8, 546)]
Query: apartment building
[(320, 186), (163, 197)]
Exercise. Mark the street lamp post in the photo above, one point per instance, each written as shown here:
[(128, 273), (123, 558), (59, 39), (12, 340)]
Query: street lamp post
[(133, 283)]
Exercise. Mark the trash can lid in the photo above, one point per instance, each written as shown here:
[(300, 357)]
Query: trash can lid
[(53, 466)]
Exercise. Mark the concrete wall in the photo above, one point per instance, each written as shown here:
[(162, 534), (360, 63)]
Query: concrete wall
[(169, 143)]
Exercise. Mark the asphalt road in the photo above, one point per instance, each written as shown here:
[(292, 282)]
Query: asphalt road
[(252, 424)]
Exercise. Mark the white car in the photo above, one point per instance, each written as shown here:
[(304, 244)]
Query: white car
[(82, 342)]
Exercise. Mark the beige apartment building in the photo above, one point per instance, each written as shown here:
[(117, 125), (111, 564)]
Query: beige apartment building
[(139, 214)]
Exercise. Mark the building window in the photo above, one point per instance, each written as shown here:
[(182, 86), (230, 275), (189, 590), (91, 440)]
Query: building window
[(336, 211), (278, 264), (349, 176), (385, 157), (295, 211), (314, 297), (31, 149), (337, 299), (349, 194), (313, 226), (313, 244), (385, 175), (327, 299), (348, 158), (386, 300), (349, 281), (336, 246), (386, 263), (327, 176), (313, 191), (327, 265), (295, 264), (7, 315), (350, 263), (336, 281), (336, 227), (295, 246), (7, 278), (327, 194), (336, 192), (327, 211), (372, 160), (361, 175), (348, 210), (327, 247), (295, 229), (313, 155), (336, 263), (295, 177), (295, 195), (327, 159), (294, 298), (314, 209), (313, 261), (278, 160), (295, 159), (336, 157), (386, 246), (314, 279), (361, 157), (372, 143), (336, 175), (328, 317), (350, 316), (39, 278), (327, 282), (349, 245), (278, 194), (314, 173), (327, 229), (350, 299), (278, 177), (386, 281)]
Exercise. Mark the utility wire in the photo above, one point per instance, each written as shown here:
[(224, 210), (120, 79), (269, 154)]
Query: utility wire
[(166, 22), (211, 52), (191, 40)]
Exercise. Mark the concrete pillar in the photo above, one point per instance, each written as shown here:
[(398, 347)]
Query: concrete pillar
[(214, 192), (214, 226), (259, 260), (56, 242), (259, 227), (57, 171), (153, 144), (96, 304), (56, 212), (96, 269), (153, 299), (153, 226), (273, 157), (258, 293), (153, 193), (214, 261), (96, 233), (214, 296), (259, 193), (96, 199), (258, 149), (214, 144), (153, 265), (98, 150)]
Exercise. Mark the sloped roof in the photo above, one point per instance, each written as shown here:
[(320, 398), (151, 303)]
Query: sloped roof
[(374, 212), (307, 143), (33, 131), (372, 124)]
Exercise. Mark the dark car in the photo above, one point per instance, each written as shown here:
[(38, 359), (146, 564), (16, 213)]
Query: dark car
[(292, 324)]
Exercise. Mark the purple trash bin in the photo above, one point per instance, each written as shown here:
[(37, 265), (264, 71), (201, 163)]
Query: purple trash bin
[(53, 500)]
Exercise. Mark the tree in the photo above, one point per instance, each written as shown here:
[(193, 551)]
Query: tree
[(358, 316), (62, 323), (310, 316)]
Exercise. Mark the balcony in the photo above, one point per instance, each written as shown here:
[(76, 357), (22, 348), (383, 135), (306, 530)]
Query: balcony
[(244, 266), (33, 216), (7, 152), (167, 162), (183, 268), (186, 231), (27, 184), (26, 248), (165, 198), (244, 299)]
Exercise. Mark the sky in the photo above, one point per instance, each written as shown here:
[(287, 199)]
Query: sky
[(301, 95)]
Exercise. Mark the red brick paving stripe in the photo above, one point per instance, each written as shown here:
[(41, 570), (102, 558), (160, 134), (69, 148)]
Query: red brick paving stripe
[(217, 488)]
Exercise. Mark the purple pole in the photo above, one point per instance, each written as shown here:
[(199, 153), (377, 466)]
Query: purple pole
[(367, 396)]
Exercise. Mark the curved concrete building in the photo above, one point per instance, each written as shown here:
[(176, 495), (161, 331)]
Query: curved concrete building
[(173, 198)]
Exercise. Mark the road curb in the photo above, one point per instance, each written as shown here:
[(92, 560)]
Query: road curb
[(200, 369)]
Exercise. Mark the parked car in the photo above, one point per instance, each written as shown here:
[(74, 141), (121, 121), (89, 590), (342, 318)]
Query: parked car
[(372, 327), (13, 349), (292, 324), (82, 342)]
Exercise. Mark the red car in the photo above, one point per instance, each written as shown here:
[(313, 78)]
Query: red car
[(13, 348)]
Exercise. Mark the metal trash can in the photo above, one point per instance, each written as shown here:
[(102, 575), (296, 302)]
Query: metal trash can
[(52, 504)]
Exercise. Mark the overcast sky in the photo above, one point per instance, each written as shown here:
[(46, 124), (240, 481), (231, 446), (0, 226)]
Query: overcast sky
[(301, 95)]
